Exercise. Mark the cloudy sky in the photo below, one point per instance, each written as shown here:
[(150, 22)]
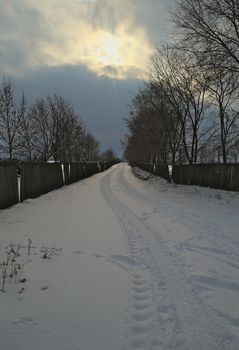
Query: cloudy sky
[(93, 52)]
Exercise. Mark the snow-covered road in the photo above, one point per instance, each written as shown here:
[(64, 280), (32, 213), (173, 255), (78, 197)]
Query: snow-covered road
[(144, 265)]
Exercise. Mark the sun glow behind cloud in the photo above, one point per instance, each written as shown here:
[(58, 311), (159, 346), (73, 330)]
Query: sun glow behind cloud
[(111, 47), (98, 34), (118, 54)]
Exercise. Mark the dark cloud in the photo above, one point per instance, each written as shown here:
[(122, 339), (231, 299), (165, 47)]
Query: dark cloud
[(101, 102), (151, 15), (118, 71), (110, 70), (23, 29), (154, 16), (105, 15)]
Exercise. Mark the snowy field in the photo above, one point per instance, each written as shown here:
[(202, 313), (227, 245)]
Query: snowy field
[(119, 262)]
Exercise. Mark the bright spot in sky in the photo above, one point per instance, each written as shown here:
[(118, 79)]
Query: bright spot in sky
[(110, 52), (119, 54), (67, 35), (111, 47)]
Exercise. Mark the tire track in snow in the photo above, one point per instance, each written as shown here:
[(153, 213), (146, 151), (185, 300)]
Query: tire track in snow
[(166, 313), (227, 248), (144, 331), (215, 245)]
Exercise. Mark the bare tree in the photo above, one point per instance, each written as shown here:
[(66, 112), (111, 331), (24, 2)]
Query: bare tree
[(91, 147), (171, 123), (188, 81), (70, 139), (26, 133), (10, 117), (39, 130), (210, 29), (146, 141), (109, 156), (65, 128), (186, 88), (224, 93), (49, 129)]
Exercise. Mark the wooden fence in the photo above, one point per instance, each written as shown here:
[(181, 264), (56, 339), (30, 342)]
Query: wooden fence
[(156, 169), (74, 172), (219, 176), (8, 184), (37, 178), (162, 170)]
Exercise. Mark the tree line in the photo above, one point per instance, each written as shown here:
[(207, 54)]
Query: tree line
[(188, 109), (48, 129)]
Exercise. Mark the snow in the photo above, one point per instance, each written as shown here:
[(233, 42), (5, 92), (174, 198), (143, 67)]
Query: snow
[(138, 264)]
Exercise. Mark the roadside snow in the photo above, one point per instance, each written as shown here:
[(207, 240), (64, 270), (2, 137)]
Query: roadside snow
[(139, 264), (75, 300)]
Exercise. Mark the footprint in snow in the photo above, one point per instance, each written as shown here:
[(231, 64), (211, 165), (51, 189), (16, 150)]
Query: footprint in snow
[(44, 288), (123, 261), (25, 321)]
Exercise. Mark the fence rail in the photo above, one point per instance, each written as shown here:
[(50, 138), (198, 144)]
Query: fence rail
[(37, 178)]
